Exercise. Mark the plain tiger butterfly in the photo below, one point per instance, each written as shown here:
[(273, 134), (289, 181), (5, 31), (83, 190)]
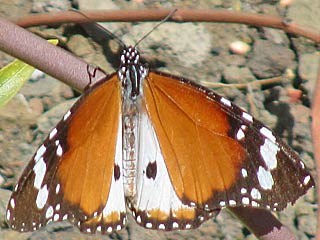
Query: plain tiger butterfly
[(170, 150)]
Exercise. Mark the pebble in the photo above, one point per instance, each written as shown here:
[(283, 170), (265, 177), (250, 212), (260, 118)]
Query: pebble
[(239, 47)]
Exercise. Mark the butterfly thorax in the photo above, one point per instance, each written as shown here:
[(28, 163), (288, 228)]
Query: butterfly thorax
[(131, 73)]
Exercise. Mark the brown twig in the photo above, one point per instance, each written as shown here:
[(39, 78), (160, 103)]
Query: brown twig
[(262, 223), (181, 15), (244, 85), (56, 62)]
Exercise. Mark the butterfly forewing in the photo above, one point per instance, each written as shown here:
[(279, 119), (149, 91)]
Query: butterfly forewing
[(216, 154), (75, 173)]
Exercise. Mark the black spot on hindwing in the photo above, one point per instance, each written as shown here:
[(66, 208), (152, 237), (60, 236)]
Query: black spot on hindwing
[(152, 170), (116, 172)]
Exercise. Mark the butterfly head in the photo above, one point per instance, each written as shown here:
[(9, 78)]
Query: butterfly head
[(131, 72)]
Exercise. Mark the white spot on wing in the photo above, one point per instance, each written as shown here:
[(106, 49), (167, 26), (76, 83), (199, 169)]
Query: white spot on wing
[(245, 200), (255, 204), (244, 172), (12, 203), (42, 197), (59, 151), (247, 116), (56, 217), (58, 207), (306, 180), (53, 133), (162, 226), (255, 194), (265, 178), (267, 133), (243, 191), (39, 170), (67, 115), (269, 152), (225, 102), (175, 225), (8, 214), (57, 188), (49, 212), (240, 134), (40, 153)]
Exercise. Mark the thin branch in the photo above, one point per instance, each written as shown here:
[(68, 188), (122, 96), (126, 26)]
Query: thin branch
[(181, 15), (50, 59), (244, 85), (262, 223)]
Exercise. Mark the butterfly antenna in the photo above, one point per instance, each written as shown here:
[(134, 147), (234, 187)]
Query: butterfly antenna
[(156, 26), (100, 27)]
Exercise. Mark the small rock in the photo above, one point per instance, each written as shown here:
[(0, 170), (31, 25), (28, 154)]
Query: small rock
[(311, 195), (36, 105), (286, 3), (308, 70), (230, 227), (308, 224), (169, 45), (233, 74), (51, 118), (4, 198), (66, 92), (277, 36), (303, 208), (294, 95), (234, 60), (80, 45), (46, 86), (36, 75), (18, 109), (41, 6), (306, 13), (96, 5), (270, 60), (239, 47)]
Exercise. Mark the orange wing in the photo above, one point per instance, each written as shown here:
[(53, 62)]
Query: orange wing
[(216, 154), (75, 173)]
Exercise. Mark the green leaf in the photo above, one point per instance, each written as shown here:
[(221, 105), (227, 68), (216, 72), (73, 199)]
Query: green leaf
[(13, 76)]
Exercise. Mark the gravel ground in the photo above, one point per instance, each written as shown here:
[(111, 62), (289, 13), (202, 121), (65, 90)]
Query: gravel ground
[(175, 48)]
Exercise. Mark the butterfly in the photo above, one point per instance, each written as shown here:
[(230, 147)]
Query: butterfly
[(171, 151)]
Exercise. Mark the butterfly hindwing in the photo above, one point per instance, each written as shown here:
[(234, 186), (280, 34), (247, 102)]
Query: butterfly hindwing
[(216, 154), (77, 172), (156, 205)]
